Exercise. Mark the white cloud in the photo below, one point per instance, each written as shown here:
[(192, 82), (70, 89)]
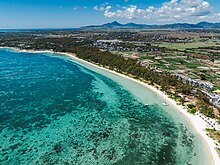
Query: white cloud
[(96, 7), (171, 11), (101, 7)]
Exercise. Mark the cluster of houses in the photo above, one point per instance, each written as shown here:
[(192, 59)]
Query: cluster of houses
[(199, 83), (147, 63), (214, 97), (116, 45)]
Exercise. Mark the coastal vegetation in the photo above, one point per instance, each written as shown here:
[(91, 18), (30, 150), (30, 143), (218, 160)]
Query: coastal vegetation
[(191, 108), (164, 60), (214, 134), (167, 82)]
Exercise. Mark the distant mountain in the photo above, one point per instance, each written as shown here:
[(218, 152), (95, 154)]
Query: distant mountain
[(115, 24), (208, 25), (112, 24)]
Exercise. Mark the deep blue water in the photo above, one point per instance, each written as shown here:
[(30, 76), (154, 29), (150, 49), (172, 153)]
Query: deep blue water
[(54, 111)]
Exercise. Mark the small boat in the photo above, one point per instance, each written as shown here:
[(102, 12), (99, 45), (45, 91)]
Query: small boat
[(165, 102), (146, 104)]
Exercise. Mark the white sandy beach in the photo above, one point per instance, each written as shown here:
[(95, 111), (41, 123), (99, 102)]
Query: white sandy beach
[(198, 124)]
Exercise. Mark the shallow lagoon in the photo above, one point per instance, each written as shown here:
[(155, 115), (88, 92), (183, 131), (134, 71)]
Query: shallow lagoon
[(58, 111)]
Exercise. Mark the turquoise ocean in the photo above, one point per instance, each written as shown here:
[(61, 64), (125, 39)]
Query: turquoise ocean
[(55, 110)]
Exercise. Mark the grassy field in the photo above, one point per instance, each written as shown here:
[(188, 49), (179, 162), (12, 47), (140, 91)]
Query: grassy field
[(183, 46), (177, 63)]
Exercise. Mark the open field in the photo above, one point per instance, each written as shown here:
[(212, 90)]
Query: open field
[(179, 64), (183, 46)]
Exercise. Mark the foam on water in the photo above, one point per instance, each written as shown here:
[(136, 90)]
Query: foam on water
[(55, 111)]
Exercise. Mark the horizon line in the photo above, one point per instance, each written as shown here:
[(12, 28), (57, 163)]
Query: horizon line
[(45, 28)]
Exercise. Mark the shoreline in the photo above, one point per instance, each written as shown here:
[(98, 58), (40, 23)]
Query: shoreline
[(197, 123)]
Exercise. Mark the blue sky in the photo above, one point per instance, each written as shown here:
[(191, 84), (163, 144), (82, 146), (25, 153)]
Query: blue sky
[(76, 13)]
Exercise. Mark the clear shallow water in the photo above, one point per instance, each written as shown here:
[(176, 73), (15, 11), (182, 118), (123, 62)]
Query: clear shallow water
[(54, 111)]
